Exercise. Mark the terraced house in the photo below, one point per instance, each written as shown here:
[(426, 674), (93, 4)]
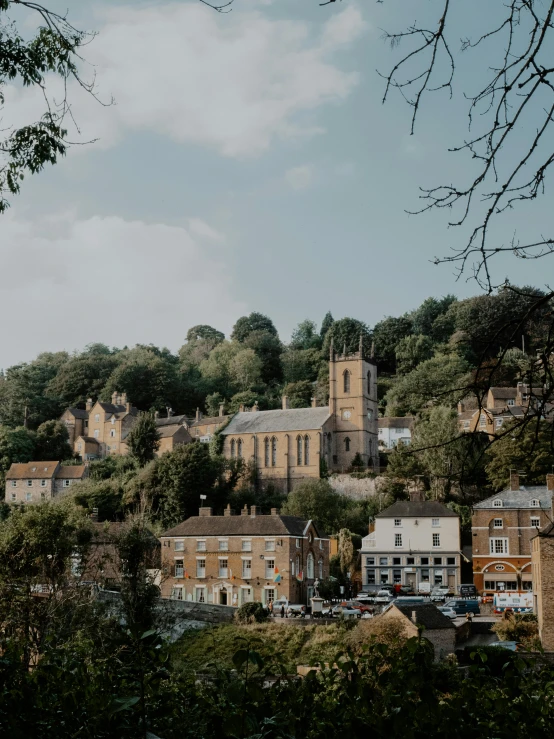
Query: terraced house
[(35, 482), (231, 560)]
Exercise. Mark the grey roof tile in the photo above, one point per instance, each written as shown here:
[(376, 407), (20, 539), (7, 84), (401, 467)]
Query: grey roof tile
[(519, 498), (426, 614), (293, 419), (397, 422), (419, 509), (259, 525)]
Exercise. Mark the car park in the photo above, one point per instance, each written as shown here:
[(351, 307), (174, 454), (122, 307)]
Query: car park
[(383, 597), (359, 605), (346, 612), (439, 595), (449, 612)]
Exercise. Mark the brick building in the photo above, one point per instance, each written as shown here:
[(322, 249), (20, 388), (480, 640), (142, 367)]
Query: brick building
[(235, 559), (502, 529), (36, 482), (542, 558)]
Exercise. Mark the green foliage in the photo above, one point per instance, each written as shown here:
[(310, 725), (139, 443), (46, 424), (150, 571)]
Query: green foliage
[(83, 376), (326, 324), (527, 449), (305, 336), (387, 334), (253, 323), (246, 369), (268, 349), (16, 445), (316, 500), (411, 351), (143, 440), (299, 393), (426, 319), (357, 461), (52, 441), (345, 550), (106, 496), (213, 401), (250, 613), (347, 332), (205, 333), (519, 627), (302, 365)]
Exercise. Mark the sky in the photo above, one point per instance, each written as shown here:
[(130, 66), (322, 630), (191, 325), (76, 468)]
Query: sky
[(247, 163)]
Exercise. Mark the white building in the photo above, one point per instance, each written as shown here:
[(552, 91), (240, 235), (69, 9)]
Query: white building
[(413, 542), (395, 430)]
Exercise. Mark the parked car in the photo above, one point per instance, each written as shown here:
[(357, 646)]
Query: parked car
[(359, 605), (366, 598), (409, 600), (449, 612), (440, 594), (346, 612), (463, 605), (383, 596), (513, 646)]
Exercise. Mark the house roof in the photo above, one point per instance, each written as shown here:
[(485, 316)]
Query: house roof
[(417, 509), (466, 415), (89, 440), (503, 393), (172, 421), (426, 614), (31, 470), (547, 531), (78, 413), (519, 498), (397, 422), (166, 432), (210, 420), (258, 525), (292, 419), (71, 471)]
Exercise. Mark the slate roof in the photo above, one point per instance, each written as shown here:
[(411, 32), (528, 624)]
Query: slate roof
[(166, 432), (210, 420), (427, 614), (89, 440), (547, 531), (504, 392), (466, 415), (78, 413), (172, 420), (417, 509), (31, 470), (519, 498), (292, 419), (71, 472), (397, 422), (258, 525)]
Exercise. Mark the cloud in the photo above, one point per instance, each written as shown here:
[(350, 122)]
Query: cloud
[(106, 279), (299, 177), (232, 82)]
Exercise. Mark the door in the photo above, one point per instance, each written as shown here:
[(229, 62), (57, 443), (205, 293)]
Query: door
[(451, 583), (223, 598), (410, 580)]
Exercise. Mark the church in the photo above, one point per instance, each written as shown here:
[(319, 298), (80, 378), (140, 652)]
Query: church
[(286, 445)]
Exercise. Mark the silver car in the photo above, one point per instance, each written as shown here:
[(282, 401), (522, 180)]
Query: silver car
[(450, 612)]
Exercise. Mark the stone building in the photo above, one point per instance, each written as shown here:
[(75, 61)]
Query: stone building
[(502, 528), (231, 560), (414, 543), (437, 628), (542, 562), (36, 482)]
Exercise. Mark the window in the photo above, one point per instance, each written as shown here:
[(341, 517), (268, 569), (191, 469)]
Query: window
[(29, 483), (535, 521), (425, 560), (425, 575), (298, 543), (299, 450), (347, 444), (410, 560), (14, 483), (310, 566), (201, 545), (43, 483), (179, 545), (239, 448), (246, 545), (96, 433), (499, 422), (482, 421), (497, 503), (179, 568), (398, 522), (397, 575), (200, 568), (534, 503), (223, 545), (384, 577), (383, 561), (273, 452), (437, 561), (270, 545), (177, 592), (371, 577), (369, 383), (306, 450), (233, 448), (498, 523), (66, 483), (97, 417), (398, 540), (320, 569), (108, 447), (435, 522), (223, 567), (14, 496), (346, 377), (112, 433), (43, 496), (498, 546), (200, 595), (370, 561), (511, 402), (246, 569), (397, 561), (266, 452), (269, 568), (112, 420), (269, 595), (451, 560), (436, 540), (297, 564), (438, 577)]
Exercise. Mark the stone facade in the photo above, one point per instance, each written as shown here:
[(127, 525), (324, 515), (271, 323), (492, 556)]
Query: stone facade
[(36, 482), (542, 558), (231, 560), (502, 529), (501, 405), (437, 628)]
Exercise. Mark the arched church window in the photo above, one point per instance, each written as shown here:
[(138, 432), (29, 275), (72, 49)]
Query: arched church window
[(310, 566), (306, 450), (266, 452), (368, 382), (273, 452), (233, 448), (346, 381), (347, 444), (239, 448), (299, 450)]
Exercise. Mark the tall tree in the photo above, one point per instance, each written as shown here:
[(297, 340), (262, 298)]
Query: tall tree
[(16, 445), (254, 322), (527, 449), (305, 336), (326, 324), (144, 439), (52, 442), (387, 334), (316, 499), (347, 332)]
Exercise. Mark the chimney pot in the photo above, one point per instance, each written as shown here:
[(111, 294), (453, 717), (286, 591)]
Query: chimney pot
[(89, 404), (204, 511), (274, 511), (221, 409), (198, 414), (227, 511), (244, 511), (514, 481), (314, 402), (285, 402), (241, 408), (253, 511), (128, 407), (550, 481)]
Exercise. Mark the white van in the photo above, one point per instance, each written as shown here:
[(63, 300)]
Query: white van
[(516, 602)]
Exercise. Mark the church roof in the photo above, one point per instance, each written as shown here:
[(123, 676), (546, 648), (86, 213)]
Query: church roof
[(292, 419)]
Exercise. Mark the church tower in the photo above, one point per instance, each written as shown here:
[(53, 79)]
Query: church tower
[(354, 409)]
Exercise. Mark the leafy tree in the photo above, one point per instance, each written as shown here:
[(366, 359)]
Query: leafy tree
[(423, 318), (316, 500), (16, 445), (144, 439), (268, 348), (206, 333), (527, 448), (52, 441), (246, 369), (387, 334), (411, 351), (326, 324), (82, 377), (299, 394), (305, 336), (216, 369), (213, 401), (302, 364), (106, 496), (249, 324), (347, 332), (248, 398), (345, 550)]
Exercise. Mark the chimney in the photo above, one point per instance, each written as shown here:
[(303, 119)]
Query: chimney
[(460, 406), (314, 402), (414, 617), (416, 491), (197, 414), (203, 511), (253, 511), (241, 408), (221, 409), (227, 511), (123, 399), (274, 512), (254, 408), (89, 404), (514, 480), (550, 481), (128, 407), (244, 511), (285, 402), (114, 398)]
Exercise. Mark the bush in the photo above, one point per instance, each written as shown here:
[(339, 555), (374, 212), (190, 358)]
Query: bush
[(250, 613)]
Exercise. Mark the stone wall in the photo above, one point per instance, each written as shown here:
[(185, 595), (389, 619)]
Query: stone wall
[(205, 612), (356, 488)]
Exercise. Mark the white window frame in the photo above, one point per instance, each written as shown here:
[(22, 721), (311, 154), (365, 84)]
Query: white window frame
[(535, 522), (29, 483), (96, 433), (112, 433), (66, 483), (223, 545), (200, 569), (497, 503), (535, 503), (436, 541), (43, 483), (201, 545), (179, 545), (179, 570), (397, 522), (398, 541), (200, 594), (177, 592), (497, 525), (499, 545), (247, 568), (223, 571), (435, 523), (14, 483), (270, 545), (298, 543), (269, 571), (14, 497), (97, 417)]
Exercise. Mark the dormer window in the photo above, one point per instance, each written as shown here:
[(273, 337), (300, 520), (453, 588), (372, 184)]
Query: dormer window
[(511, 402), (534, 503), (112, 419), (497, 503), (34, 469)]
